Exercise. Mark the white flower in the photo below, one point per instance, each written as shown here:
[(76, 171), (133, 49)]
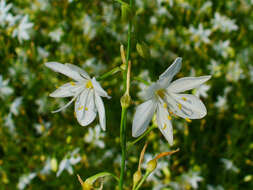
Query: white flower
[(25, 180), (229, 165), (221, 102), (9, 122), (5, 90), (192, 178), (86, 91), (202, 91), (22, 31), (70, 160), (223, 23), (94, 136), (4, 9), (56, 34), (210, 187), (200, 34), (163, 98), (14, 108), (222, 48)]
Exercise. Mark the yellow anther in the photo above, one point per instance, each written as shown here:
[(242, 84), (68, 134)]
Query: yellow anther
[(86, 108), (89, 84), (165, 105), (180, 106), (164, 127), (188, 120), (160, 93), (184, 98), (80, 108), (169, 117), (73, 83), (171, 113)]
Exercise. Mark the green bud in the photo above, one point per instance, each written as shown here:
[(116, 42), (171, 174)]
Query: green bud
[(54, 164), (151, 166), (143, 50), (136, 177), (125, 101), (87, 186)]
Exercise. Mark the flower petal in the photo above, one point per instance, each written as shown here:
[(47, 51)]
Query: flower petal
[(79, 70), (67, 90), (174, 68), (64, 69), (142, 117), (187, 83), (99, 90), (101, 111), (164, 124), (187, 106), (85, 108), (65, 106)]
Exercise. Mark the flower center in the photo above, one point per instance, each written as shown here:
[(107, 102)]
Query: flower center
[(160, 93), (89, 84)]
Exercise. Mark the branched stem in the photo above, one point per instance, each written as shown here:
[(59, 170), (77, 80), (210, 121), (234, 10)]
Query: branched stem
[(124, 109)]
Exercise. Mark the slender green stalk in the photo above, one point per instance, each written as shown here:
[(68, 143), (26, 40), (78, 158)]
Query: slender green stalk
[(140, 137), (124, 109), (142, 180), (109, 73), (141, 80)]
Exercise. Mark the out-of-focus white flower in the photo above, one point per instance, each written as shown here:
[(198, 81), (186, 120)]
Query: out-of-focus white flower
[(12, 20), (86, 91), (211, 187), (69, 160), (229, 165), (199, 35), (5, 90), (234, 72), (25, 180), (42, 127), (56, 34), (223, 23), (4, 9), (192, 178), (221, 102), (215, 68), (8, 122), (22, 31), (89, 27), (202, 91), (95, 65), (164, 95), (50, 165), (251, 73), (42, 53), (206, 6), (14, 108), (94, 136), (222, 48)]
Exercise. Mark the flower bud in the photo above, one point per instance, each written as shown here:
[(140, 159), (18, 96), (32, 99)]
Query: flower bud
[(151, 166), (125, 101), (86, 186), (143, 50), (136, 177)]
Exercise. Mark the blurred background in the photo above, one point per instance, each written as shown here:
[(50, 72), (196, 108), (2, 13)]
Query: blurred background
[(40, 150)]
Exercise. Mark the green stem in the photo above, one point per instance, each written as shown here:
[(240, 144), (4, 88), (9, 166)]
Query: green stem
[(141, 80), (142, 180), (123, 145), (109, 73), (124, 110), (140, 137)]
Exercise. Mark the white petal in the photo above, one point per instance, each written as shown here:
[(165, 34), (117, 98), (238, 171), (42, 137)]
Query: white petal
[(101, 111), (99, 89), (67, 90), (142, 117), (191, 106), (79, 70), (187, 83), (164, 124), (167, 76), (85, 108), (64, 69), (65, 106)]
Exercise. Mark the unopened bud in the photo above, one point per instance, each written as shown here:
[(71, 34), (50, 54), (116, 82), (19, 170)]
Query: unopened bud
[(125, 101), (151, 166), (53, 164), (143, 50), (136, 177), (86, 186)]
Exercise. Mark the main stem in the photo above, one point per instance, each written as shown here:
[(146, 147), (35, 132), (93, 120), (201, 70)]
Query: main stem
[(124, 110)]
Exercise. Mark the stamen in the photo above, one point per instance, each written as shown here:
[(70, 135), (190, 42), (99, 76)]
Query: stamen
[(169, 117), (89, 84), (73, 83), (165, 105), (86, 108), (80, 108), (180, 106), (160, 93), (184, 98), (171, 113), (188, 120), (164, 127)]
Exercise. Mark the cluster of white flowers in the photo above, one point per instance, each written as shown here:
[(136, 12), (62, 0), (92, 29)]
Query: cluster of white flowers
[(200, 35), (223, 23)]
